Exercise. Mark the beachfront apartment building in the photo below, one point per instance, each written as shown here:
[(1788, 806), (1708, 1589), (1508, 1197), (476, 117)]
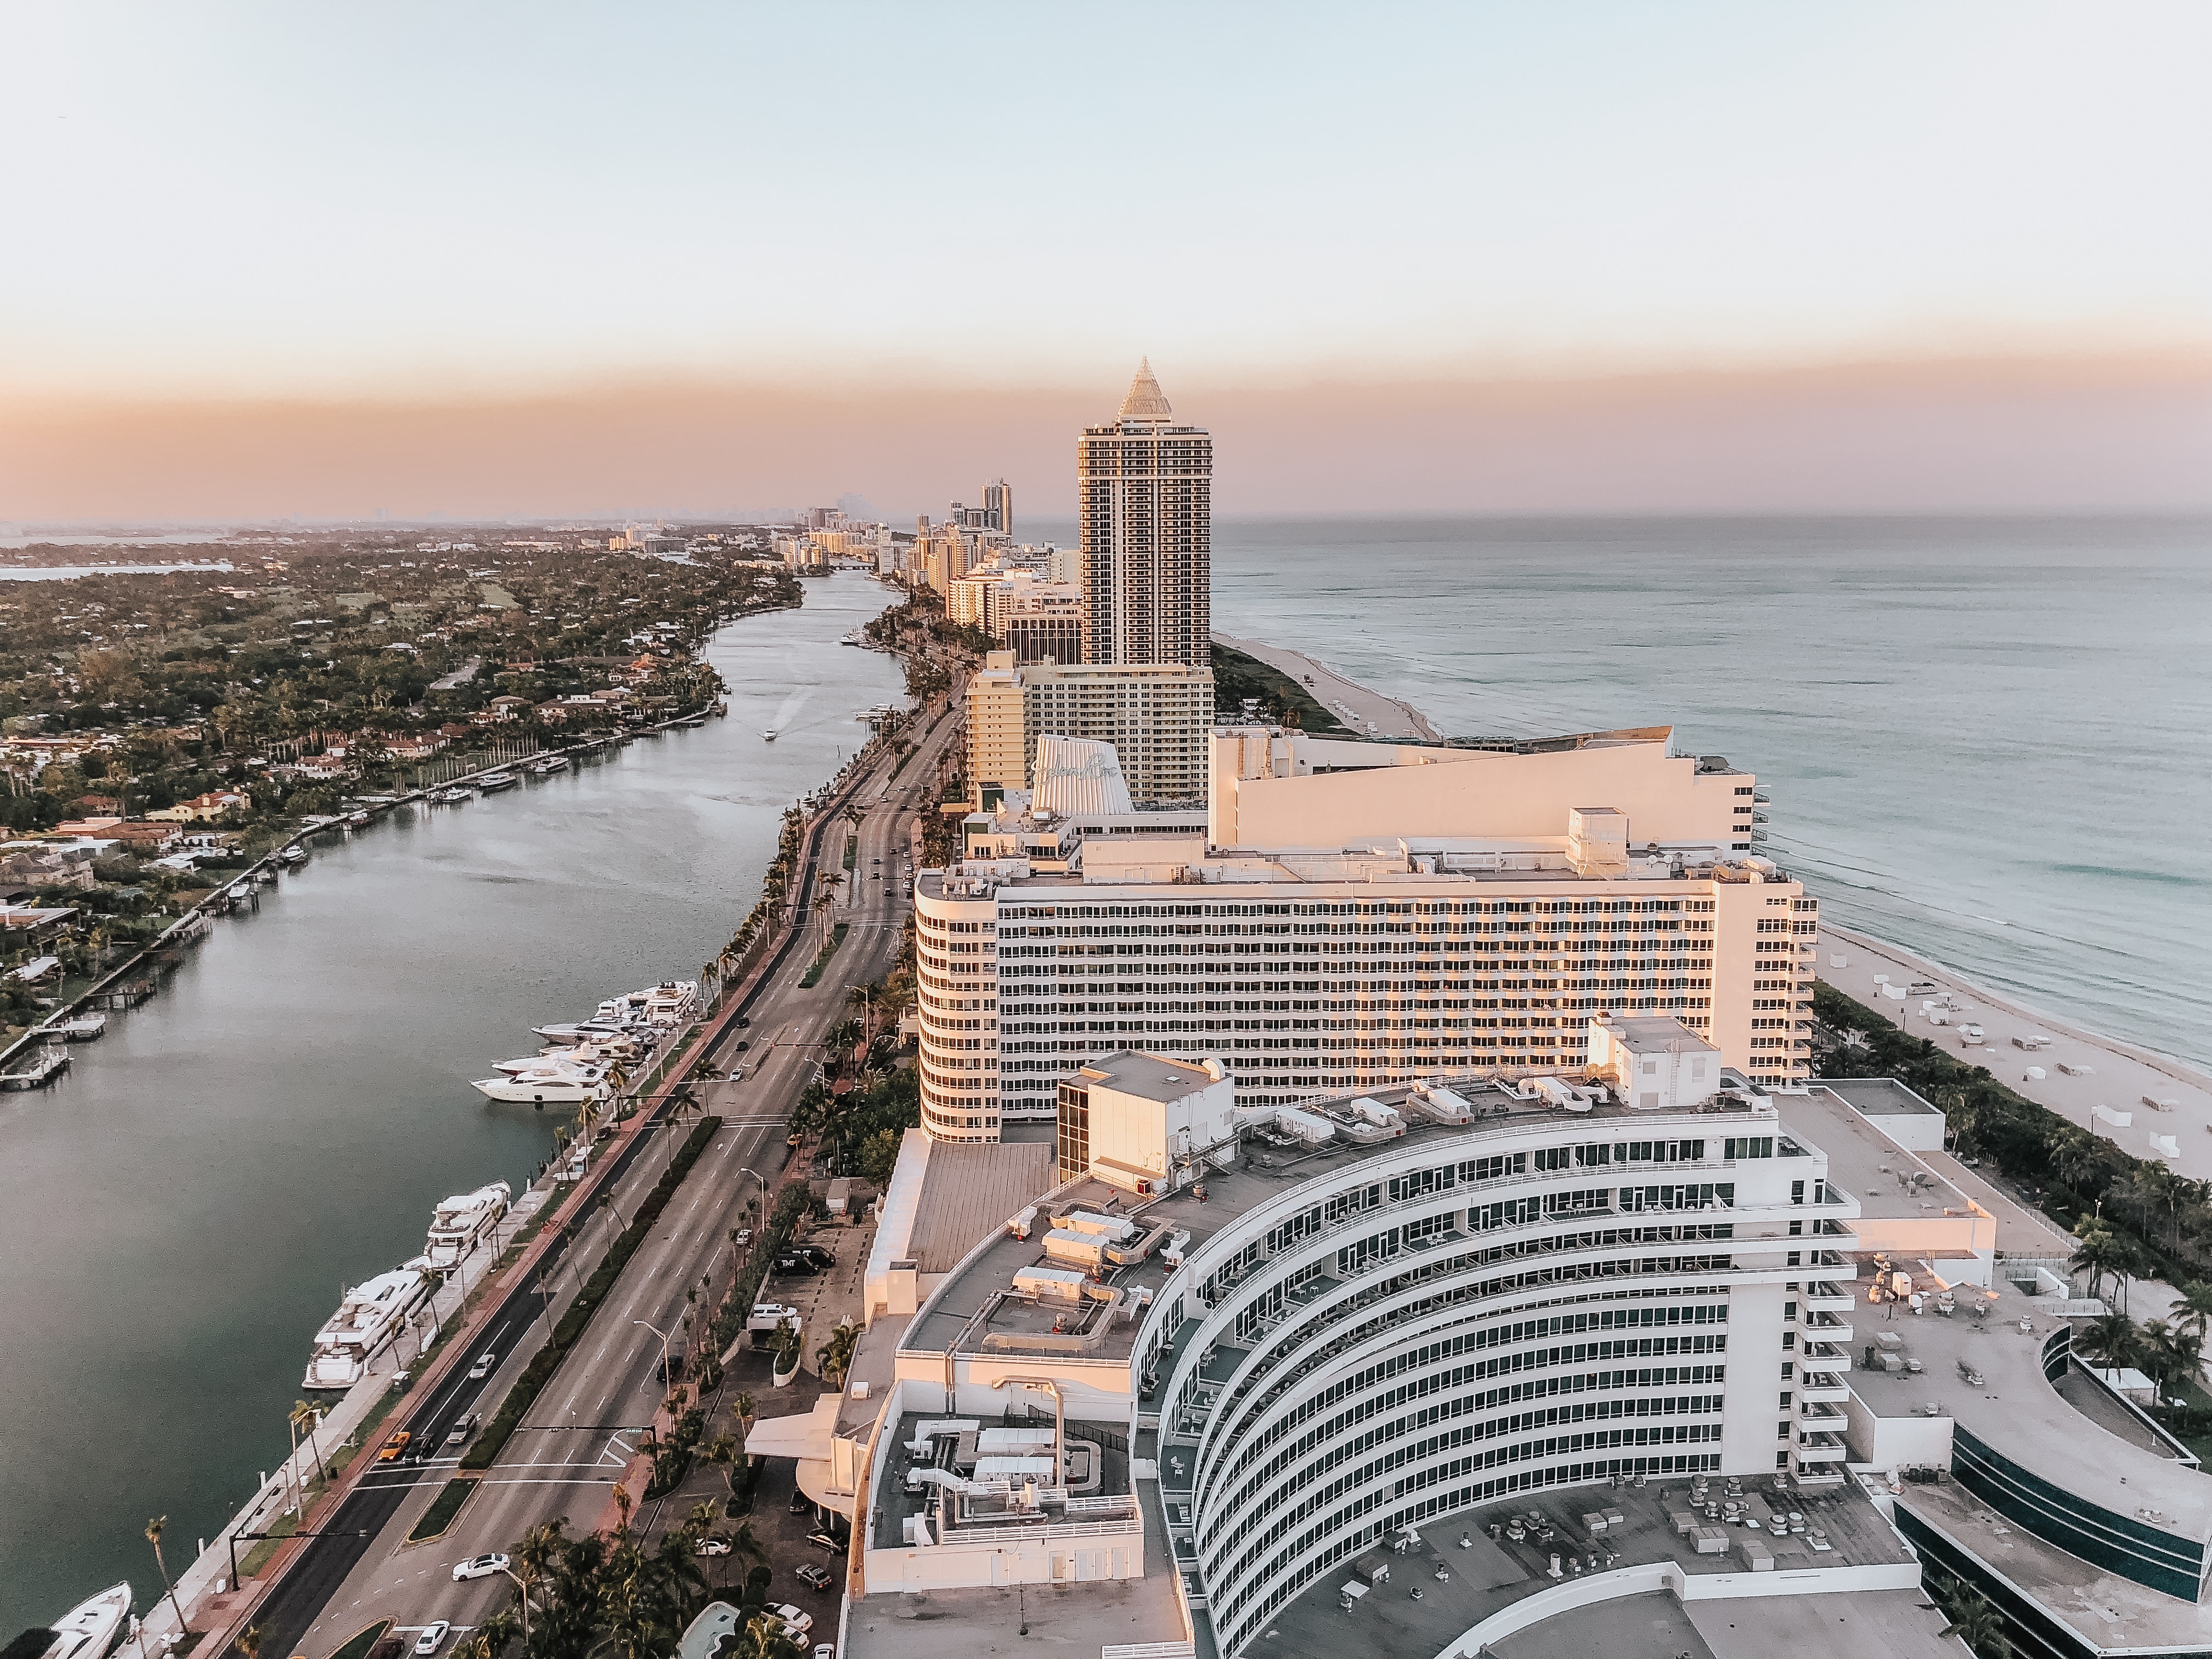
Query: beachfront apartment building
[(1145, 495), (1157, 718), (1350, 915)]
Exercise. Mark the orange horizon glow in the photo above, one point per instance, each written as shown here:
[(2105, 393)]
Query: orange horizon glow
[(2111, 431)]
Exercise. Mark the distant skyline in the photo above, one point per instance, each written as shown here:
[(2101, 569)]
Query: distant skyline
[(1603, 257)]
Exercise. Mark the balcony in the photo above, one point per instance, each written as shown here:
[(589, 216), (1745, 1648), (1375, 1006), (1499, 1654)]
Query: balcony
[(1819, 1448), (1826, 1357), (1827, 1327), (1819, 1416), (1819, 1387), (1825, 1298)]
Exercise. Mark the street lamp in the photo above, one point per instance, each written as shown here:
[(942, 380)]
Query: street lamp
[(667, 1379)]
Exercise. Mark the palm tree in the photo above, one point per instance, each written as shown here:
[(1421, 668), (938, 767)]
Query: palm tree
[(248, 1641), (623, 1499), (2101, 1253), (835, 1356), (492, 1635), (155, 1526), (2112, 1340), (2192, 1310), (1977, 1624), (304, 1418)]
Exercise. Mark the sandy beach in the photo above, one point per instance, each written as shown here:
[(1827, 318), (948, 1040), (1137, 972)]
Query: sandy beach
[(2112, 1081), (1364, 711)]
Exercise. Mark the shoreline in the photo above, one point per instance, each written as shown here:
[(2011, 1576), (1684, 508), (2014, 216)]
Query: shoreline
[(2108, 1097), (2120, 1075)]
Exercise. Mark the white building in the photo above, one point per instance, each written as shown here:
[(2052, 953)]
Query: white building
[(1484, 937), (1218, 1388), (1156, 717)]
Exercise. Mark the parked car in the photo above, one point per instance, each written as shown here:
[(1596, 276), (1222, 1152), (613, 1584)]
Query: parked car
[(825, 1541), (744, 1043), (433, 1636), (482, 1367), (814, 1575), (800, 1502), (795, 1617), (742, 1237), (478, 1566), (460, 1433), (817, 1254), (793, 1264), (825, 1650), (711, 1546), (394, 1447)]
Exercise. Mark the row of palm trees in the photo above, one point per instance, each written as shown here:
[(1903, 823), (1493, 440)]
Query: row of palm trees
[(2169, 1351), (592, 1597)]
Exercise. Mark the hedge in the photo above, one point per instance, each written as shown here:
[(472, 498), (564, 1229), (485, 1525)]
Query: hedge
[(571, 1325)]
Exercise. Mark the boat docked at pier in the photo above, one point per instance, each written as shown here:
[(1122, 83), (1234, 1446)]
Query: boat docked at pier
[(595, 1048), (91, 1630), (464, 1221), (549, 1086), (451, 797), (291, 858), (491, 781), (368, 1321), (549, 765)]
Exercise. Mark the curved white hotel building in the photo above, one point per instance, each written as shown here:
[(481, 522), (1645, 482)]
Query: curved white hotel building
[(1242, 1380)]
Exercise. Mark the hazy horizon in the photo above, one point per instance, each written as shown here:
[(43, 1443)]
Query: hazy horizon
[(1722, 256)]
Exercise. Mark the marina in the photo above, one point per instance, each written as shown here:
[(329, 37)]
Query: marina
[(269, 1064)]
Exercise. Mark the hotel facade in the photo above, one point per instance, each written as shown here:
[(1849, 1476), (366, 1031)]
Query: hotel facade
[(1421, 926)]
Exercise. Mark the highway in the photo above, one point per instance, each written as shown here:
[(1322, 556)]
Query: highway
[(583, 1428)]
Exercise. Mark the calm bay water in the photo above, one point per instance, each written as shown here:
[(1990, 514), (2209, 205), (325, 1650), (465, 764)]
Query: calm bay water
[(1988, 740), (179, 1214)]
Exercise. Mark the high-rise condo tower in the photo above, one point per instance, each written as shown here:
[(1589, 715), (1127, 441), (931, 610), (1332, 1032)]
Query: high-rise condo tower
[(1146, 495)]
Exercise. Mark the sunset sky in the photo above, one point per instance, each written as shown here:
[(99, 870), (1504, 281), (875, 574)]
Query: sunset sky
[(551, 259)]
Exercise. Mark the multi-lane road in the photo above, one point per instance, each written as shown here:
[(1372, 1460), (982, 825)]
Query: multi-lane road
[(583, 1427)]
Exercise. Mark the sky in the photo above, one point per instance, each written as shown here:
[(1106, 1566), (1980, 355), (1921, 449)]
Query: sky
[(262, 260)]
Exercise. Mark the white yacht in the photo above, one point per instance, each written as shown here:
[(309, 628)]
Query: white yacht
[(567, 1085), (460, 1223), (492, 780), (594, 1048), (92, 1629), (371, 1316), (549, 765)]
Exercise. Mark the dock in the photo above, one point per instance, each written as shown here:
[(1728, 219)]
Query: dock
[(46, 1066)]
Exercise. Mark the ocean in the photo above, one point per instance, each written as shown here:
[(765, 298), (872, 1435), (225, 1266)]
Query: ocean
[(1987, 739)]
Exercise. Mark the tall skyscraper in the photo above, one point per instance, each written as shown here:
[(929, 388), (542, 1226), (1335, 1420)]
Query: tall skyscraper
[(999, 507), (1146, 489)]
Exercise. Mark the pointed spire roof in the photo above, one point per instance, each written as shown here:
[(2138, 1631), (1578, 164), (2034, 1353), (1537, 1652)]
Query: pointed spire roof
[(1145, 401)]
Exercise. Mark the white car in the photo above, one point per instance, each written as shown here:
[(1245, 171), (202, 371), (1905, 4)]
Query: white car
[(825, 1650), (482, 1369), (478, 1566), (432, 1635), (796, 1618)]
